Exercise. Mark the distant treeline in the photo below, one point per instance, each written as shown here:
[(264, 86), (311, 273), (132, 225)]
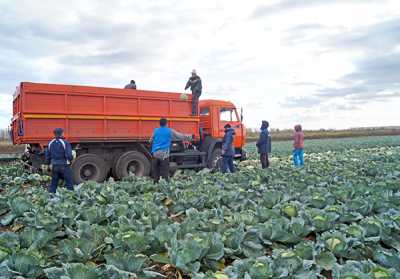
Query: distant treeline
[(5, 135), (280, 135)]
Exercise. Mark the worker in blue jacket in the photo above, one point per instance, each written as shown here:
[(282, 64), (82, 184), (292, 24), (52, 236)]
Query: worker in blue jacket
[(160, 149), (228, 150), (59, 157)]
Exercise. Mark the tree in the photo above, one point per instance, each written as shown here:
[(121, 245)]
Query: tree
[(5, 134)]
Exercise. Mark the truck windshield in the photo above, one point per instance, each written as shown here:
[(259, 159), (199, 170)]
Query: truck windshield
[(228, 114)]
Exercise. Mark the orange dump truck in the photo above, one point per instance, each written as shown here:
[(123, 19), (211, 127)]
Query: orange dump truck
[(110, 128)]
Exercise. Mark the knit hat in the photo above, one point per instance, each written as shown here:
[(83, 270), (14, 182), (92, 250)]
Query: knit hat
[(58, 132)]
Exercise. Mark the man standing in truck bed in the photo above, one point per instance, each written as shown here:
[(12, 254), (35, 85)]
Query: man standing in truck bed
[(194, 83)]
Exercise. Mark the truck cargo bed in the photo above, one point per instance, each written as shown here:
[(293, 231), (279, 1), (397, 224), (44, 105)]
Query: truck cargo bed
[(93, 114)]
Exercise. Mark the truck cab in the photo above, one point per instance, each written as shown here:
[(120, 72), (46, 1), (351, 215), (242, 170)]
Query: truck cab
[(214, 115)]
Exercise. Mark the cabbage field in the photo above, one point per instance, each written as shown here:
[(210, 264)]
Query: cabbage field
[(338, 217)]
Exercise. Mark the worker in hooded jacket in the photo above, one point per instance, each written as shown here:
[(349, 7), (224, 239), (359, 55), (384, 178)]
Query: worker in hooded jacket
[(264, 144), (228, 150), (131, 85), (59, 156), (196, 87)]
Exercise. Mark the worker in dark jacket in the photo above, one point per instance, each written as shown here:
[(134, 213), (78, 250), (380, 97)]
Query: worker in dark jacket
[(131, 85), (228, 150), (264, 144), (194, 83), (59, 156), (161, 143)]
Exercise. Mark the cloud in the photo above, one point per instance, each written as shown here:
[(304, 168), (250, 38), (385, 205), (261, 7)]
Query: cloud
[(109, 58), (372, 76), (345, 107), (308, 50), (289, 5), (5, 115), (83, 29), (304, 83), (308, 33), (283, 6), (376, 68), (302, 102), (375, 38), (5, 110), (254, 105), (225, 90)]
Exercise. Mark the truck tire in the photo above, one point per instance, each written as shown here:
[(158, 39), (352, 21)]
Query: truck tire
[(134, 162), (114, 164), (215, 160), (88, 167), (173, 167)]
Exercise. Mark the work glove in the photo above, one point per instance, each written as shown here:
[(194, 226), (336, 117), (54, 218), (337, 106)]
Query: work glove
[(73, 154)]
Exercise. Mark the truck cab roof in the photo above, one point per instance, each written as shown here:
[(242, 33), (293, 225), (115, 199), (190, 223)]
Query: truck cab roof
[(211, 102)]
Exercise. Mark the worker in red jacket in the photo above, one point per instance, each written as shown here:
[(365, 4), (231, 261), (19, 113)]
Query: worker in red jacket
[(298, 145)]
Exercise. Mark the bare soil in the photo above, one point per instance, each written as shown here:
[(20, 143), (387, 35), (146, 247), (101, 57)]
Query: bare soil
[(7, 148)]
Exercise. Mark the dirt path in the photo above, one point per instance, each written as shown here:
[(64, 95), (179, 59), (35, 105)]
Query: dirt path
[(8, 147)]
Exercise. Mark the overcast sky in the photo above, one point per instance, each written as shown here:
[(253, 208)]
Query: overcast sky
[(321, 63)]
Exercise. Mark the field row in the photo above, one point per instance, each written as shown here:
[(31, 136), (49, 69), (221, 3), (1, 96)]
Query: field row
[(338, 217)]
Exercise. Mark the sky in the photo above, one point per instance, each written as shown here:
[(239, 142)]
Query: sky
[(321, 63)]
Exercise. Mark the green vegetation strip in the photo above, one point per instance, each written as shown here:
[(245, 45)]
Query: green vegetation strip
[(338, 217), (284, 148)]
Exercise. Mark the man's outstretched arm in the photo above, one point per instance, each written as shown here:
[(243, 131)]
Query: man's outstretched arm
[(180, 136)]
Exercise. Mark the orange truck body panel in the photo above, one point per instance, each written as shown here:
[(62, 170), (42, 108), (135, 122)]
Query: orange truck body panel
[(90, 114), (100, 114), (214, 126), (110, 128)]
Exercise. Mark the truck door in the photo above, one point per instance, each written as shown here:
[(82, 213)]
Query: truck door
[(205, 121), (229, 115)]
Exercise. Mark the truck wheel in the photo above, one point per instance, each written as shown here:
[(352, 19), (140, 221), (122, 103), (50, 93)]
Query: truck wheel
[(88, 167), (173, 167), (114, 165), (132, 162), (215, 159)]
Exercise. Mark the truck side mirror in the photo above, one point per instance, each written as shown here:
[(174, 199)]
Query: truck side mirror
[(241, 114)]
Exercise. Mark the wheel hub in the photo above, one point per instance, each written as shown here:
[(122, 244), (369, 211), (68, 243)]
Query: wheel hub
[(132, 167), (88, 171)]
